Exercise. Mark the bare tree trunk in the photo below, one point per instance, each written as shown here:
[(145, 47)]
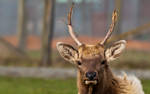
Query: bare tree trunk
[(118, 4), (84, 15), (18, 52), (22, 33), (47, 34)]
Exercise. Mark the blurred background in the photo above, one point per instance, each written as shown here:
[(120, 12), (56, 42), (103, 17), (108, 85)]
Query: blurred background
[(30, 29)]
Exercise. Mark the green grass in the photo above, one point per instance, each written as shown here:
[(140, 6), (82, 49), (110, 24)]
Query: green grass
[(132, 59), (146, 86), (9, 85)]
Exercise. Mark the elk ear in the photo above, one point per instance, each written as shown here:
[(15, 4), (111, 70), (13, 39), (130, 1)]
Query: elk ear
[(115, 50), (67, 52)]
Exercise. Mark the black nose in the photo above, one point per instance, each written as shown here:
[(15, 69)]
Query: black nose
[(90, 75)]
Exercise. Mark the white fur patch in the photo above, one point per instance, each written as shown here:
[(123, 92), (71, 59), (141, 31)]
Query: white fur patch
[(131, 84), (136, 84)]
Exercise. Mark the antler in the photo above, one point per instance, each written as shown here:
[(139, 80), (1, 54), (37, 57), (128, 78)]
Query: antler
[(114, 20), (70, 28)]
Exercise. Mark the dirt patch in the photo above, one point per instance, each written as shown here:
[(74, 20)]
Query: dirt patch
[(34, 43)]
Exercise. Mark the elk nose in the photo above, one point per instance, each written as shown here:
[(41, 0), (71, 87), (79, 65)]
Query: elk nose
[(91, 75)]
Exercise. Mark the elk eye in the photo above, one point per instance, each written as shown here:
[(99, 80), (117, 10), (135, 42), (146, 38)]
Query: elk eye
[(103, 62), (78, 62)]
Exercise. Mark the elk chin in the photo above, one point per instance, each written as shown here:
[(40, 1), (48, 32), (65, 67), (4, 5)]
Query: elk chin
[(90, 82)]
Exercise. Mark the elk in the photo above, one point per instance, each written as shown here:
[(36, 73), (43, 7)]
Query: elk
[(94, 75)]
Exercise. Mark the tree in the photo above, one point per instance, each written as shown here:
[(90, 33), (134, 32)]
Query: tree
[(22, 33), (47, 33), (118, 6)]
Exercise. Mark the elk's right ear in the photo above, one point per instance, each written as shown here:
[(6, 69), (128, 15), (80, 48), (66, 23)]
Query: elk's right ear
[(67, 52)]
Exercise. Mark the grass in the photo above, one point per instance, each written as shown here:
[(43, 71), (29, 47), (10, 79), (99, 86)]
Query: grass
[(36, 86), (146, 84), (11, 85), (132, 59)]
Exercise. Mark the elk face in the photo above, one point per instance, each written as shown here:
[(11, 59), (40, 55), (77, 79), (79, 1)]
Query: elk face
[(91, 60)]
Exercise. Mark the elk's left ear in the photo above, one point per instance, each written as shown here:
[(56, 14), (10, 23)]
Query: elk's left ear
[(115, 50)]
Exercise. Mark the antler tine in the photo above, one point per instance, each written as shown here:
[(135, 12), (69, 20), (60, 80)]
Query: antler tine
[(114, 20), (70, 28)]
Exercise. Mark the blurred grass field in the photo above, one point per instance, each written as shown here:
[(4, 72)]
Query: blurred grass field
[(11, 85), (130, 59)]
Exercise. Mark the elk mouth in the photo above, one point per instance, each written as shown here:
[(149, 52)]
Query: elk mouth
[(90, 82)]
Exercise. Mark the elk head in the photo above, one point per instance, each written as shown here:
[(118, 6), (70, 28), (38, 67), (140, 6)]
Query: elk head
[(91, 60)]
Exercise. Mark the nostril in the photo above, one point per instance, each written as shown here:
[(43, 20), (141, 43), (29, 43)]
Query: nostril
[(94, 74), (91, 75)]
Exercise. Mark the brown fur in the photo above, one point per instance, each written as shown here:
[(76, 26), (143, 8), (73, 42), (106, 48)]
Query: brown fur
[(107, 84), (88, 51), (94, 54), (92, 58)]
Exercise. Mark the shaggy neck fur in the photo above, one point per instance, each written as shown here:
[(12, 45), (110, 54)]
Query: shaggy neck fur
[(105, 85)]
